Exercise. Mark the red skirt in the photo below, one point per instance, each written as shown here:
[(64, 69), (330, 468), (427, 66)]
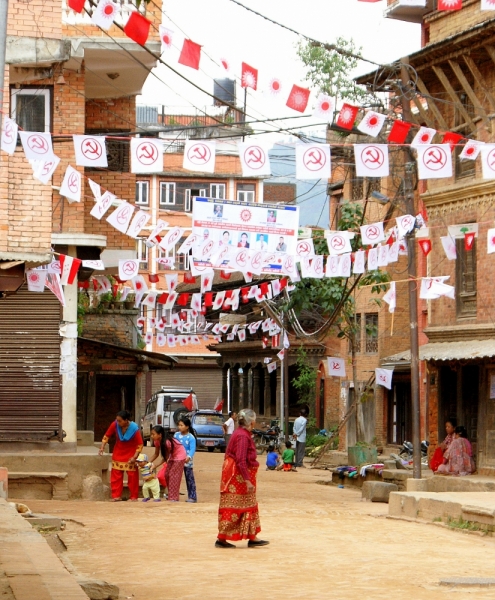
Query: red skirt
[(238, 517)]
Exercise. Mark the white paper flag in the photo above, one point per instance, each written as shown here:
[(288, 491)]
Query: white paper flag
[(139, 284), (146, 155), (46, 168), (472, 148), (172, 280), (325, 107), (90, 151), (338, 242), (8, 141), (344, 265), (171, 239), (171, 340), (371, 160), (104, 14), (405, 224), (150, 300), (171, 299), (393, 252), (166, 37), (100, 208), (426, 291), (313, 161), (191, 241), (372, 123), (372, 234), (161, 340), (36, 279), (138, 222), (425, 135), (159, 227), (434, 161), (121, 217), (384, 377), (219, 300), (391, 297), (332, 268), (317, 266), (37, 146), (373, 259), (128, 268), (97, 265), (254, 159), (359, 262), (490, 241), (71, 185), (270, 367), (448, 244), (305, 248), (95, 188), (382, 255), (336, 366), (199, 156), (488, 161)]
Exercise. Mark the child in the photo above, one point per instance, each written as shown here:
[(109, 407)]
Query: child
[(287, 458), (272, 459), (187, 438), (150, 482)]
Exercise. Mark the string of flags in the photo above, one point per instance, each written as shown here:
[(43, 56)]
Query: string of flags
[(336, 368), (442, 5)]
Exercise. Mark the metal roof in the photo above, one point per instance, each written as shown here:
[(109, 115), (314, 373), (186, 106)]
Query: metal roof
[(461, 350)]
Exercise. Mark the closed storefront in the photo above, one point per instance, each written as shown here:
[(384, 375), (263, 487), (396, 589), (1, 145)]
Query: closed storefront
[(30, 392)]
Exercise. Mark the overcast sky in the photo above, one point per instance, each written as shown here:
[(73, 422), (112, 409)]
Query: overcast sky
[(226, 30)]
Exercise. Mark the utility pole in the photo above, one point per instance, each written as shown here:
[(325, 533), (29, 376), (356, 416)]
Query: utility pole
[(4, 9)]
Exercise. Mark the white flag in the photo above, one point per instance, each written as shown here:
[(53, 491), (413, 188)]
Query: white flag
[(71, 185), (161, 339), (169, 304), (191, 240), (305, 248), (384, 377), (488, 161), (372, 234), (393, 252), (371, 160), (95, 188), (382, 255), (391, 297), (97, 265), (138, 222), (313, 161), (8, 141), (104, 14), (37, 146), (344, 265), (219, 300), (438, 288), (434, 161), (325, 107), (128, 268), (338, 242), (490, 241), (196, 301), (373, 259), (159, 227), (90, 151), (425, 135), (146, 155), (336, 366), (36, 279), (270, 367), (332, 268), (317, 266), (104, 203), (254, 159), (166, 37), (121, 217), (372, 123), (150, 300), (412, 2), (199, 156), (359, 262), (139, 284), (171, 239), (449, 247), (171, 340), (426, 291), (472, 148), (46, 169), (405, 224), (172, 280)]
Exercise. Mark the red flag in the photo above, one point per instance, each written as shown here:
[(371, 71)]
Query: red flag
[(244, 295), (163, 298), (449, 5), (190, 54), (137, 28), (283, 283), (218, 405), (183, 299), (189, 278), (83, 284), (452, 139), (425, 246), (469, 240), (347, 116), (264, 288), (209, 299), (189, 402), (249, 76), (225, 275), (76, 5), (153, 278), (298, 98), (276, 340), (399, 131)]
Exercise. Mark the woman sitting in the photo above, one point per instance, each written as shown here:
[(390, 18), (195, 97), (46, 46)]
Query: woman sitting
[(457, 459), (438, 455)]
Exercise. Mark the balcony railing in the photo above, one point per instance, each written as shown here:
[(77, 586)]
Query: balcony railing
[(403, 12)]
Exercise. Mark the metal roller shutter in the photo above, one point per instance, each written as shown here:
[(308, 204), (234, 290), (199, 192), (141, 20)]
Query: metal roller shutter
[(206, 382), (30, 393)]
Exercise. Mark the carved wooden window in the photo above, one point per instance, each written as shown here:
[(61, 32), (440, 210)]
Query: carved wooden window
[(465, 281), (463, 168), (371, 332)]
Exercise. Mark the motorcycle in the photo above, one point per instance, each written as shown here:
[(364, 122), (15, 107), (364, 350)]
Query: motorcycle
[(271, 437), (406, 452)]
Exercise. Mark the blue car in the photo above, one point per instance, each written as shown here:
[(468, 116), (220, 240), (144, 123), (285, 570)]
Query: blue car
[(209, 431)]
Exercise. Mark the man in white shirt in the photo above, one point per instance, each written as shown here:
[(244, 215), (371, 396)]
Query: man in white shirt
[(300, 436), (229, 426)]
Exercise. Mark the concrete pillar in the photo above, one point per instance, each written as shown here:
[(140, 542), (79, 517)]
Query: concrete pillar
[(246, 400), (267, 394), (225, 390), (256, 389), (235, 388), (278, 400)]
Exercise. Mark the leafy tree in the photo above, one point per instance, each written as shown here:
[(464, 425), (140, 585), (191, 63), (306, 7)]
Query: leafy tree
[(305, 382)]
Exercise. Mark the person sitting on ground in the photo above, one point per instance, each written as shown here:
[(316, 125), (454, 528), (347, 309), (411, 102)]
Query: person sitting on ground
[(287, 463), (438, 455), (151, 485), (457, 459), (272, 459)]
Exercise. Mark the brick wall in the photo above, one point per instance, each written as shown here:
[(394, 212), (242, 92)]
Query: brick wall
[(37, 18), (446, 23), (283, 193), (112, 327)]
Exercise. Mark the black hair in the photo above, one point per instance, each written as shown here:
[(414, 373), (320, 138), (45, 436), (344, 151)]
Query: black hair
[(167, 436), (225, 232), (231, 413), (124, 414), (288, 444), (304, 412), (461, 430), (452, 421), (187, 423), (271, 448)]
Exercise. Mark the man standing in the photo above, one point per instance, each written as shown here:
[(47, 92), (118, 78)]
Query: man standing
[(300, 436), (228, 427)]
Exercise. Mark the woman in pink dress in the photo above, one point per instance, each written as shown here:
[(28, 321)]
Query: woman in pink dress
[(457, 458), (174, 454)]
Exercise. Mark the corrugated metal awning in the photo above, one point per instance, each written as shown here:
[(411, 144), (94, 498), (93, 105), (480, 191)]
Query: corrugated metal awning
[(461, 350), (29, 257)]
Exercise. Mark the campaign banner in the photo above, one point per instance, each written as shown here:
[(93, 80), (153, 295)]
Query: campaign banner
[(271, 229)]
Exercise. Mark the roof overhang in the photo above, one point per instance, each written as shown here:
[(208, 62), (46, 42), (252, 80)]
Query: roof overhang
[(445, 351), (411, 14), (154, 360)]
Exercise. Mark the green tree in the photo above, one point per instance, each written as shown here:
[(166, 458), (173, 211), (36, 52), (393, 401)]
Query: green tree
[(305, 381)]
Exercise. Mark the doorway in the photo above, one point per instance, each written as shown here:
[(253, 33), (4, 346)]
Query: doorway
[(113, 393), (399, 413)]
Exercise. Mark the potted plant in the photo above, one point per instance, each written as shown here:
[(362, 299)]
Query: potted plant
[(104, 300), (129, 301)]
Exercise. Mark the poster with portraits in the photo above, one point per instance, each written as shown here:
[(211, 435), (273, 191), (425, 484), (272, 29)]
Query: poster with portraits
[(268, 231)]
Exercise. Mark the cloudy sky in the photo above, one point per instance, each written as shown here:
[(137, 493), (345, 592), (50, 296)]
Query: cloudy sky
[(226, 30)]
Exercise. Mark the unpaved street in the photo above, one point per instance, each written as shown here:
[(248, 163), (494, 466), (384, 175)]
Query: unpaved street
[(325, 543)]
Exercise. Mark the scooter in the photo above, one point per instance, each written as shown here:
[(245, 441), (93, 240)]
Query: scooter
[(270, 437), (406, 452)]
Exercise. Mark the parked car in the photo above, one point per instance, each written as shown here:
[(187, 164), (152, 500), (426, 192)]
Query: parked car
[(165, 408), (209, 431)]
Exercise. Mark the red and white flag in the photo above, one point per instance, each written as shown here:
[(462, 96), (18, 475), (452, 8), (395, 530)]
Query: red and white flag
[(46, 168), (161, 340), (219, 300), (172, 280), (344, 268), (206, 281), (104, 203), (332, 268), (425, 135), (90, 151), (405, 224), (347, 115), (171, 340), (275, 87), (69, 267), (150, 300), (305, 248), (138, 222), (391, 297), (170, 240), (488, 161), (281, 354), (71, 185), (191, 240), (121, 217), (104, 14), (96, 265), (128, 268), (359, 262), (196, 301), (371, 160), (324, 108), (146, 155), (36, 279), (52, 282), (218, 405), (383, 255), (139, 284), (425, 245), (372, 123), (434, 161), (313, 161), (249, 76), (373, 259), (487, 5), (372, 234), (336, 366), (8, 141), (469, 240), (472, 148), (384, 377), (254, 159), (298, 98), (270, 367), (199, 156), (449, 5), (166, 37), (225, 64), (36, 146), (449, 247)]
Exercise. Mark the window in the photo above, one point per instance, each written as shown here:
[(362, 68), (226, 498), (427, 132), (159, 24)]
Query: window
[(167, 193), (142, 253), (465, 280), (142, 192), (357, 341), (371, 332), (217, 190), (31, 108), (189, 195), (245, 192)]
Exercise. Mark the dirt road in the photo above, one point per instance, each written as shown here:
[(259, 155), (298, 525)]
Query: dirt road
[(325, 542)]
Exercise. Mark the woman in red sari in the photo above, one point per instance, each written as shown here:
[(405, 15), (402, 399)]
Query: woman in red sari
[(238, 517), (128, 445), (438, 455)]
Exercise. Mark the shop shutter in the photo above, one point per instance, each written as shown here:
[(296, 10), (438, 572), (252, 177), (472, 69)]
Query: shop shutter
[(206, 382)]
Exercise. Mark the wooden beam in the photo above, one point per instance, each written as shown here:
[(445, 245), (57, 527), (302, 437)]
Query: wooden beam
[(478, 77), (425, 116), (469, 91), (431, 104), (455, 98)]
